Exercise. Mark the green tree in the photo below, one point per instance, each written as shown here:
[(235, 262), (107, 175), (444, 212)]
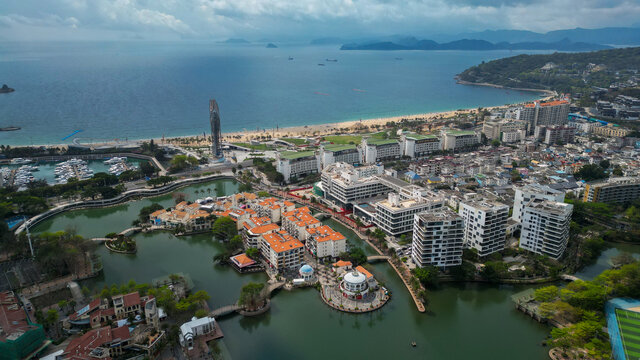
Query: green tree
[(224, 228), (253, 253), (428, 275), (547, 293), (251, 295)]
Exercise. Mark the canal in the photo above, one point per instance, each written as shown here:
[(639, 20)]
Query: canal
[(464, 321)]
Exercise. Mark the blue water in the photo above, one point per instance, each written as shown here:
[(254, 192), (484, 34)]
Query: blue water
[(149, 89)]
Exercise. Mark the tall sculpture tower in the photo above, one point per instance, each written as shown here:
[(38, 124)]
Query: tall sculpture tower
[(214, 119)]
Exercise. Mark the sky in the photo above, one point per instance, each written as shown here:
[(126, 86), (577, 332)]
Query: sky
[(23, 20)]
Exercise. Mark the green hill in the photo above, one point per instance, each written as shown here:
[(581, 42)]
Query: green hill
[(563, 72)]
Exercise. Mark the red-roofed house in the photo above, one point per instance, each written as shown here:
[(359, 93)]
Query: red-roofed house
[(298, 221), (282, 251), (325, 241), (102, 343)]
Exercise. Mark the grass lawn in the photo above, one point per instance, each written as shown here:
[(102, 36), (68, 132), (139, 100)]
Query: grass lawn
[(254, 147), (344, 139), (295, 141)]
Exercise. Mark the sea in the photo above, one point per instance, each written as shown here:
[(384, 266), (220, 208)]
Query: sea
[(102, 91)]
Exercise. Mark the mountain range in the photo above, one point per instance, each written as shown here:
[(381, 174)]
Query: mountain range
[(411, 43)]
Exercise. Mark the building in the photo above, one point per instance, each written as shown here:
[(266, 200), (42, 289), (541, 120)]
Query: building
[(324, 241), (378, 150), (347, 184), (615, 190), (254, 228), (417, 146), (214, 120), (610, 130), (395, 215), (282, 251), (102, 343), (544, 113), (530, 192), (494, 129), (456, 139), (354, 285), (484, 225), (272, 208), (194, 328), (437, 238), (298, 221), (555, 134), (19, 337), (513, 136), (295, 164), (331, 154), (545, 227)]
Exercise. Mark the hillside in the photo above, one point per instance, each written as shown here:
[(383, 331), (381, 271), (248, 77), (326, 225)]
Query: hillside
[(563, 72)]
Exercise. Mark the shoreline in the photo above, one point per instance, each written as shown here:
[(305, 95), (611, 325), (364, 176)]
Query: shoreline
[(322, 128)]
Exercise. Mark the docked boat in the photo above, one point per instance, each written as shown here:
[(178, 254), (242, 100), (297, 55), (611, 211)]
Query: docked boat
[(20, 161)]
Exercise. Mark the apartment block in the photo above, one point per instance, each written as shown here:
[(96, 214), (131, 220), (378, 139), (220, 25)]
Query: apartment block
[(530, 192), (437, 238), (484, 225), (615, 190), (545, 227), (395, 215), (296, 164)]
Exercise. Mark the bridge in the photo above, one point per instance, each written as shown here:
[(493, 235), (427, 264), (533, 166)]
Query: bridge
[(375, 258), (225, 310), (130, 230), (568, 277), (101, 240)]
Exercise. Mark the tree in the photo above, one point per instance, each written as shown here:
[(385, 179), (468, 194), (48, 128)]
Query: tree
[(253, 253), (428, 275), (179, 197), (605, 164), (357, 256), (495, 143), (224, 228), (546, 294), (251, 295), (590, 172)]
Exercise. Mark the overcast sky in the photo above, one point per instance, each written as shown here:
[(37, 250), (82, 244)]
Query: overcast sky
[(297, 19)]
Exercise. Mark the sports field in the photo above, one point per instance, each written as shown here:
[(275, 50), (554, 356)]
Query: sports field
[(629, 325)]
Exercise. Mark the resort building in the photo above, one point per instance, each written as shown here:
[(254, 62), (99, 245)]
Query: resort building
[(297, 164), (545, 227), (19, 337), (418, 146), (194, 328), (354, 285), (456, 139), (282, 251), (298, 221), (437, 238), (615, 190), (527, 193), (346, 184), (324, 241), (185, 214), (395, 215), (513, 136), (484, 225), (331, 154), (555, 134), (495, 129), (378, 150), (544, 113), (99, 313), (610, 130)]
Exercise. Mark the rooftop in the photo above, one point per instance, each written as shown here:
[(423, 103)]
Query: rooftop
[(337, 147), (292, 155), (378, 142), (420, 136), (282, 242)]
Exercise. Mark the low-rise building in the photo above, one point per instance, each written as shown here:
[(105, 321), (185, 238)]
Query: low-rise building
[(484, 225), (615, 190), (457, 139), (418, 146), (545, 227), (19, 337), (254, 228), (101, 343), (296, 164), (437, 238), (610, 130), (272, 208), (331, 154), (377, 150), (194, 328), (298, 221)]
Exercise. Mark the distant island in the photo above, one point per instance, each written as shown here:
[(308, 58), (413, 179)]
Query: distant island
[(235, 41), (271, 46), (6, 89), (562, 72), (470, 44)]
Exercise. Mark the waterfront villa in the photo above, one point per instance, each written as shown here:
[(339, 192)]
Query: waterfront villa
[(254, 228), (102, 343), (299, 222), (194, 328), (281, 251), (273, 208), (99, 312), (188, 215)]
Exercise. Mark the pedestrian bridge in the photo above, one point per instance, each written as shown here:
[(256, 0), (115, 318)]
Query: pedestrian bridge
[(375, 258), (224, 310), (568, 277)]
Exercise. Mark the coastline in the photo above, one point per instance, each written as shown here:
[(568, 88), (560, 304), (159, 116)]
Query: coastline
[(324, 128)]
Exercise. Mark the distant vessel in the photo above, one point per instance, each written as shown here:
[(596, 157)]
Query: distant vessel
[(6, 89), (398, 58), (332, 60), (321, 64), (20, 161), (290, 58), (10, 128)]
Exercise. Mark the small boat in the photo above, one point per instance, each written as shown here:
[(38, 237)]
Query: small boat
[(413, 344), (10, 128), (321, 64), (290, 58), (331, 60), (398, 58)]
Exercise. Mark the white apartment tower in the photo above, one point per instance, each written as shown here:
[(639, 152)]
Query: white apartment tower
[(545, 227), (529, 192), (437, 238), (484, 225)]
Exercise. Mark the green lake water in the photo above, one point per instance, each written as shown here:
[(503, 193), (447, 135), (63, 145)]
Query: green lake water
[(465, 321)]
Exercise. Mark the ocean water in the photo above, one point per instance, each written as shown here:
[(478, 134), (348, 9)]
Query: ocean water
[(134, 90)]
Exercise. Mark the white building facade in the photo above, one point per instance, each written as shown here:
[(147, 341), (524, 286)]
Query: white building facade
[(485, 225), (545, 227), (437, 238)]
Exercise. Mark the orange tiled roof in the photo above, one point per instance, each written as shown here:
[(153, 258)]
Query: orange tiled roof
[(262, 229), (326, 233), (341, 263), (243, 260), (280, 243), (548, 103), (364, 271)]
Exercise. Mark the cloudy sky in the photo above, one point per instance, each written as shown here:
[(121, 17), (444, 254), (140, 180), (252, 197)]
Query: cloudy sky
[(297, 19)]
